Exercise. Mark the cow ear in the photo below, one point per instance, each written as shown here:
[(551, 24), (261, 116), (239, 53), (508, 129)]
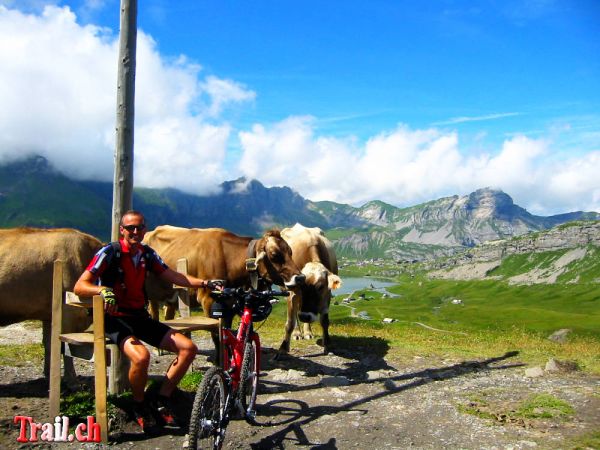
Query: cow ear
[(334, 281)]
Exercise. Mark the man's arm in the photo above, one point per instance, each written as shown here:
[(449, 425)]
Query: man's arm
[(181, 279), (86, 285)]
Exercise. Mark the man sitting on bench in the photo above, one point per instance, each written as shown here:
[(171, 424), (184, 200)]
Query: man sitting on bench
[(117, 273)]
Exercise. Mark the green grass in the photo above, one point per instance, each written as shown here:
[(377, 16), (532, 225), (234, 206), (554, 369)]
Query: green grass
[(586, 442), (78, 404), (486, 306), (489, 405), (404, 341), (494, 318), (191, 381), (544, 406), (585, 270), (21, 355)]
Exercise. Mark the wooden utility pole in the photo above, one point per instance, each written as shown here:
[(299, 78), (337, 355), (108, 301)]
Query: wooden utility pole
[(123, 181)]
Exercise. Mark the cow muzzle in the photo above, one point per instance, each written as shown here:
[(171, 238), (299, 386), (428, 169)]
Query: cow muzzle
[(307, 317), (296, 280)]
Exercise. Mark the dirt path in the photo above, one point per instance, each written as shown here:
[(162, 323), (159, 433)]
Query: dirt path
[(358, 398)]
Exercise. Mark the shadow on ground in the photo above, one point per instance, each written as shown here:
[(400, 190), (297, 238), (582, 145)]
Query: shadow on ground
[(296, 414)]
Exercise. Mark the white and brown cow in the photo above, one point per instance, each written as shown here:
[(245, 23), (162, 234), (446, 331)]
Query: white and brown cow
[(27, 258), (215, 253), (314, 253)]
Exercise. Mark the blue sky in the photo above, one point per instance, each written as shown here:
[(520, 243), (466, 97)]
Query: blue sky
[(348, 101)]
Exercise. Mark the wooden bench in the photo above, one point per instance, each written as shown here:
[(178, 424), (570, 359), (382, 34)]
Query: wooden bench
[(92, 345)]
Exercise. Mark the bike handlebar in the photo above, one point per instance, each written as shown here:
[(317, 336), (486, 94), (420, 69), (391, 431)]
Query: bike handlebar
[(242, 293)]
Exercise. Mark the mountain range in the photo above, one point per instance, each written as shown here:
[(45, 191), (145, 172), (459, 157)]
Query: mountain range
[(33, 193)]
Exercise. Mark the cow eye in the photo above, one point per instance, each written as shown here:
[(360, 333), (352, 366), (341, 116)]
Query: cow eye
[(277, 257)]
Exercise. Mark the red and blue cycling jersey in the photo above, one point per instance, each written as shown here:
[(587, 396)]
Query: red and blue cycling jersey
[(125, 272)]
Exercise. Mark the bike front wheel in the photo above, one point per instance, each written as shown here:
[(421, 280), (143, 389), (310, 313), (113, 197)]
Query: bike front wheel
[(249, 381), (208, 420)]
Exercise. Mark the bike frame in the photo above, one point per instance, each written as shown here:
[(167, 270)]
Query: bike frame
[(232, 364), (205, 425)]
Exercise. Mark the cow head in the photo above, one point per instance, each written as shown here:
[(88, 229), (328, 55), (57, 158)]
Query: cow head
[(274, 259), (316, 291)]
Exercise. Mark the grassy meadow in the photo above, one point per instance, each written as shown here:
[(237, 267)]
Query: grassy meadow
[(470, 319)]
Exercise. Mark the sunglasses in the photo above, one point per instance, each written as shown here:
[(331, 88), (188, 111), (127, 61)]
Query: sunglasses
[(131, 228)]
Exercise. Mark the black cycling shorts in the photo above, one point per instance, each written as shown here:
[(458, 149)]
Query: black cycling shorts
[(140, 325)]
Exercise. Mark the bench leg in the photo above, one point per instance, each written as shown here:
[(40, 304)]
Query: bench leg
[(54, 347), (100, 367)]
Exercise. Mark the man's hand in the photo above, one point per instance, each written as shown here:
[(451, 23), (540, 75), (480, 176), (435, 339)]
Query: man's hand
[(110, 301), (215, 285)]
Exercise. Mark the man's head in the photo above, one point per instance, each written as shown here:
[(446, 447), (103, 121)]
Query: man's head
[(133, 227)]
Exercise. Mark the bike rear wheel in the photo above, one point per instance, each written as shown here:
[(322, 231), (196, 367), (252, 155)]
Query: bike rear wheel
[(248, 388), (208, 419)]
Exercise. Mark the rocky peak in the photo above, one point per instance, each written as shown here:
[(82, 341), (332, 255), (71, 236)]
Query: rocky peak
[(488, 203), (241, 185), (35, 164), (376, 212)]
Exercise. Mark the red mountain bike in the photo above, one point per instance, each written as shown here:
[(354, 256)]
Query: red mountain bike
[(231, 388)]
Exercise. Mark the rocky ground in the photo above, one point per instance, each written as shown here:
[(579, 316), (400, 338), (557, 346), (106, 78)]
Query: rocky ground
[(357, 397)]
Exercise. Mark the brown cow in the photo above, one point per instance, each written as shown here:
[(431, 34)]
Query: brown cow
[(27, 258), (314, 253), (215, 253)]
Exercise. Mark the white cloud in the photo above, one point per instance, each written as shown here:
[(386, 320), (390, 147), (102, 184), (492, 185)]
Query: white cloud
[(405, 167), (58, 97), (223, 92), (463, 119)]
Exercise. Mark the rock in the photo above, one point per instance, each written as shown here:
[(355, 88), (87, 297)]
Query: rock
[(472, 262), (388, 320), (335, 381), (389, 385), (534, 372), (554, 365), (376, 374), (286, 375), (560, 336)]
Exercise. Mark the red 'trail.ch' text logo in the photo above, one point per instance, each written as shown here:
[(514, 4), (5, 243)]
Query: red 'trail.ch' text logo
[(32, 431)]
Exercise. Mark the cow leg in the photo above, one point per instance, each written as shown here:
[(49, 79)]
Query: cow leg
[(325, 341), (307, 332), (153, 309), (290, 324), (298, 333), (171, 306)]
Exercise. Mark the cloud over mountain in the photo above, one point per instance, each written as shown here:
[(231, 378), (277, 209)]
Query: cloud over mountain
[(406, 166), (58, 97)]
